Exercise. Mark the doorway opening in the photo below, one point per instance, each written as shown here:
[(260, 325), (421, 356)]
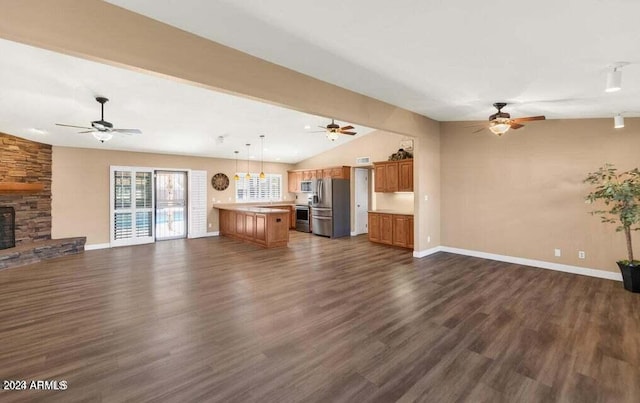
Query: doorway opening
[(362, 191), (171, 205)]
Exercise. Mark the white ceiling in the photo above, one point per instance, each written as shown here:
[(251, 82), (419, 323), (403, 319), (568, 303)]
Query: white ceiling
[(41, 88), (449, 60), (446, 60)]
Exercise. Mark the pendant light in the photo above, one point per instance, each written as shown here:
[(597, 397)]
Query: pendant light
[(618, 121), (262, 175), (236, 177), (614, 77), (248, 175)]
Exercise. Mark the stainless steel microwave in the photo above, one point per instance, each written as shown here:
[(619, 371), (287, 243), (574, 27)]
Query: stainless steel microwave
[(306, 186)]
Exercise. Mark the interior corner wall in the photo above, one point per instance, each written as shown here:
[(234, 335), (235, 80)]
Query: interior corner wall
[(427, 188), (522, 194), (80, 187)]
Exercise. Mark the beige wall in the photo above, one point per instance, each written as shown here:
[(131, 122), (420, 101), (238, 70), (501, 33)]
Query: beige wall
[(522, 194), (80, 186), (70, 26)]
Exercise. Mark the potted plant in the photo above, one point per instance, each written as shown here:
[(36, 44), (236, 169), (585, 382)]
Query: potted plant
[(620, 192)]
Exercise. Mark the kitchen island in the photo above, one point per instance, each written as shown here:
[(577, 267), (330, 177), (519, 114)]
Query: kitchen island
[(266, 227)]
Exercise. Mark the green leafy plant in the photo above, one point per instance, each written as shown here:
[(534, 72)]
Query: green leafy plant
[(620, 192)]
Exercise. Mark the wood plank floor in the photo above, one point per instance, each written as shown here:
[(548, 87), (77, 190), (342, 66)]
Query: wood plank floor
[(321, 321)]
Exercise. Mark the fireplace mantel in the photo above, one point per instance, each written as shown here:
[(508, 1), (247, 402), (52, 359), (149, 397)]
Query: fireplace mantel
[(20, 187)]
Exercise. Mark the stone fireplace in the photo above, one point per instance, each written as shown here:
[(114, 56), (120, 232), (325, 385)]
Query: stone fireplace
[(7, 227), (25, 200)]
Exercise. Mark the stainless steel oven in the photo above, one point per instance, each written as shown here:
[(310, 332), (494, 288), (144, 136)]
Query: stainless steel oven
[(303, 218)]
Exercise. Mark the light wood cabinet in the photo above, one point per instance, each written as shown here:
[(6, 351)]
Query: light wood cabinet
[(410, 232), (240, 225), (260, 221), (295, 177), (391, 229), (386, 229), (401, 230), (405, 176), (343, 172), (374, 227), (270, 229), (393, 176)]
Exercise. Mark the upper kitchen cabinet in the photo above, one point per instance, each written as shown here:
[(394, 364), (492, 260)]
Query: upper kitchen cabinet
[(405, 175), (294, 181), (394, 176), (341, 172)]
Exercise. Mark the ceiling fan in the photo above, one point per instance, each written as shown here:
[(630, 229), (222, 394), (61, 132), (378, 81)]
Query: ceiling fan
[(500, 122), (101, 129), (333, 130)]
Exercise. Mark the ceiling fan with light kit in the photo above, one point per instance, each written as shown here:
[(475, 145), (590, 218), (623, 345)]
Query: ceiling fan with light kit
[(101, 129), (333, 130), (500, 122)]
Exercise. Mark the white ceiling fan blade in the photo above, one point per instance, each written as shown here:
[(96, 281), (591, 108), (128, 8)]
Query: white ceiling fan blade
[(128, 131), (88, 131), (74, 126)]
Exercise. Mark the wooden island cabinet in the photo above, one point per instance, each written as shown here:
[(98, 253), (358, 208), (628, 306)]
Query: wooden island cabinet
[(391, 229), (267, 227)]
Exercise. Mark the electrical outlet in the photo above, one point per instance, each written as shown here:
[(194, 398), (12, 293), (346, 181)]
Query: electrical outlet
[(557, 252), (426, 198), (210, 225), (581, 254), (428, 239)]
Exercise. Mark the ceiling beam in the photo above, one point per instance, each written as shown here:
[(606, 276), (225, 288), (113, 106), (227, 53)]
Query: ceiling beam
[(102, 32)]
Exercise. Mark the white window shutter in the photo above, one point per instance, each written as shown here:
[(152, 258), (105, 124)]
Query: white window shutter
[(197, 204)]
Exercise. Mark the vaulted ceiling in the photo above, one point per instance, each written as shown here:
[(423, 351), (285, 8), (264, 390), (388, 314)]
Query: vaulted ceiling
[(446, 60)]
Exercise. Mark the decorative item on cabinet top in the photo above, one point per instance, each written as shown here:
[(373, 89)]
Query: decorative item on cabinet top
[(400, 155)]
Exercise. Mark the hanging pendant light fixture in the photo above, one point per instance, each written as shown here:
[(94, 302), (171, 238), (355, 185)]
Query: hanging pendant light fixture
[(248, 175), (614, 77), (262, 175), (618, 121), (236, 177)]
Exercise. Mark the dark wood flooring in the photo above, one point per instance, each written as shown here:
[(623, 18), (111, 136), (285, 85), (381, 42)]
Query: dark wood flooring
[(321, 321)]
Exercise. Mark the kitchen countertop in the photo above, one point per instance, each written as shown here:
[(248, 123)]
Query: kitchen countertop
[(399, 212), (254, 204), (249, 209)]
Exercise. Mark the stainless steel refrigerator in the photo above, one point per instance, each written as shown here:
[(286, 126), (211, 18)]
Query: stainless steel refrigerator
[(330, 208)]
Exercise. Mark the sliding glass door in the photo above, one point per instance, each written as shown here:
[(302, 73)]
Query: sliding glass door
[(171, 205)]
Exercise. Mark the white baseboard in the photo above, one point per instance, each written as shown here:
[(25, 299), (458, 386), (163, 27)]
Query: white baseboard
[(534, 263), (96, 246), (427, 252), (206, 234)]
